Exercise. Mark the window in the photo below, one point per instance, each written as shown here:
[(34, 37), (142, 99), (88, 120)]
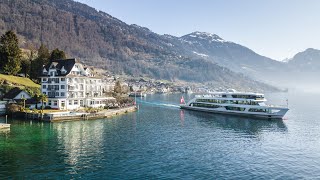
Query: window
[(205, 105), (75, 102), (62, 94), (63, 87), (22, 96), (63, 104), (45, 93), (51, 73), (235, 108), (63, 79), (70, 102), (257, 110), (44, 86), (49, 103), (55, 103), (81, 102), (57, 93), (44, 79)]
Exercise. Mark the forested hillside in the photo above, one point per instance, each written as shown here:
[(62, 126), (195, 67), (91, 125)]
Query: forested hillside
[(99, 39)]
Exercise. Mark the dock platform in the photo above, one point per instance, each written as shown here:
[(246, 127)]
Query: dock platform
[(4, 126)]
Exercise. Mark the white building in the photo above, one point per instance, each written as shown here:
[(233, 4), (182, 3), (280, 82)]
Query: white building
[(69, 85)]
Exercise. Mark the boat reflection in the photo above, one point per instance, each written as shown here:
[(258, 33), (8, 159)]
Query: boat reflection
[(246, 125)]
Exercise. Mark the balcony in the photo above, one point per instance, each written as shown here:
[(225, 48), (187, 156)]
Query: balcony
[(52, 89)]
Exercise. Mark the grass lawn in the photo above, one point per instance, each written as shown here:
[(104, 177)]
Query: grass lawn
[(19, 80)]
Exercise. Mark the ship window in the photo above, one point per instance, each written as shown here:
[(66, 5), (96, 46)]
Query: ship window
[(235, 108), (205, 105), (257, 110)]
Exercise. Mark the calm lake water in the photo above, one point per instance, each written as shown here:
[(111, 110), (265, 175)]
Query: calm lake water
[(160, 141)]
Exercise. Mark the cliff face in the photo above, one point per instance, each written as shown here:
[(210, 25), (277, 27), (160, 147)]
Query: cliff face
[(98, 39)]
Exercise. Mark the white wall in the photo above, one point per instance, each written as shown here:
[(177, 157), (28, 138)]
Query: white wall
[(23, 94)]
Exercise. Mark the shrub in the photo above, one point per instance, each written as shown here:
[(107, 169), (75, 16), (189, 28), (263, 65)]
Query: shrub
[(12, 108)]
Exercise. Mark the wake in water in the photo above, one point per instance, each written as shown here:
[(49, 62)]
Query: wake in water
[(155, 103)]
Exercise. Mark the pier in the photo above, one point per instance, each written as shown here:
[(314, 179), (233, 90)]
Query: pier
[(5, 125)]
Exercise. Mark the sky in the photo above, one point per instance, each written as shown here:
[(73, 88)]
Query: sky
[(274, 28)]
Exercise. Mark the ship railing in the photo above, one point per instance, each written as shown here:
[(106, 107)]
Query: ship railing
[(277, 106), (208, 96)]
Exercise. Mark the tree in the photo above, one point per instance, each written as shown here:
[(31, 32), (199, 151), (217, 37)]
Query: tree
[(43, 52), (38, 99), (12, 67), (43, 98), (117, 87), (57, 54), (10, 53), (38, 63), (25, 66), (29, 56)]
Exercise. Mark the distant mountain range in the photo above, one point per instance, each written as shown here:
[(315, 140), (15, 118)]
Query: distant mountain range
[(103, 41)]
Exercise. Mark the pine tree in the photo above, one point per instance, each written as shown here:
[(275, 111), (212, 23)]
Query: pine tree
[(57, 54), (40, 61), (10, 53)]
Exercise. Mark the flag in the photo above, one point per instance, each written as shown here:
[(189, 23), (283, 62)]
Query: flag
[(182, 100)]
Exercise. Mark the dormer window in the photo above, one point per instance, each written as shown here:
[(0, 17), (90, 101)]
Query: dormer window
[(63, 70), (52, 66), (45, 71)]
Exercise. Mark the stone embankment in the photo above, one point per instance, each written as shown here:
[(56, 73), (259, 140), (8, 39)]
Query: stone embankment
[(70, 116)]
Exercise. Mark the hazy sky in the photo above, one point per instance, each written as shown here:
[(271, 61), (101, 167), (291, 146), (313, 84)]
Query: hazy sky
[(274, 28)]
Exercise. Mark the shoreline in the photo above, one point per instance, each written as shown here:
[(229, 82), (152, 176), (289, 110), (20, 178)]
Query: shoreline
[(61, 117)]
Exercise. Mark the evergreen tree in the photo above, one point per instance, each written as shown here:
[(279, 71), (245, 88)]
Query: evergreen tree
[(27, 58), (10, 53), (25, 66), (57, 54), (38, 63), (117, 88), (43, 53)]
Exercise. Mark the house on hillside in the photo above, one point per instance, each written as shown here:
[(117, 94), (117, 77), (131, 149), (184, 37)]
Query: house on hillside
[(69, 85), (16, 94)]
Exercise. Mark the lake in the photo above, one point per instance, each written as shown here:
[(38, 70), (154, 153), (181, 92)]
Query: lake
[(160, 141)]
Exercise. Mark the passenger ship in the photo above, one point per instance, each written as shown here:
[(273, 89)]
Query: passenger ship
[(235, 103)]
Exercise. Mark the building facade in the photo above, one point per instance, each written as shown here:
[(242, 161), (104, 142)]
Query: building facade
[(69, 86)]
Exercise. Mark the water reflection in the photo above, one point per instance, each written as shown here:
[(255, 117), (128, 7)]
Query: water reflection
[(245, 125), (79, 139)]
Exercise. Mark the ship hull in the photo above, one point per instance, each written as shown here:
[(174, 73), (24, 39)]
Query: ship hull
[(235, 113)]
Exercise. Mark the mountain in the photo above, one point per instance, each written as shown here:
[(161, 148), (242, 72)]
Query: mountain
[(304, 67), (103, 41), (228, 54), (306, 61)]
